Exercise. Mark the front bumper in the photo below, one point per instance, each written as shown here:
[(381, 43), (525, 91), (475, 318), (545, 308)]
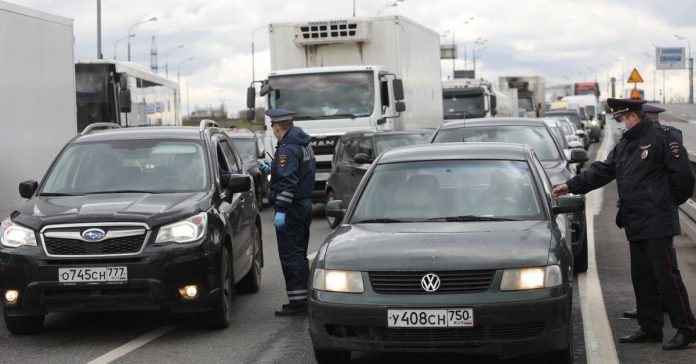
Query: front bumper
[(503, 328), (154, 279)]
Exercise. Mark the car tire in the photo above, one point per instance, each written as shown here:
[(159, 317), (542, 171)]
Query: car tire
[(332, 221), (251, 283), (221, 312), (259, 195), (564, 356), (23, 325), (580, 261), (331, 356)]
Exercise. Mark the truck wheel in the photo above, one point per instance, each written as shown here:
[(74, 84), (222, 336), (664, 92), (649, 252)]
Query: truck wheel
[(581, 260), (331, 356), (23, 325), (333, 222), (219, 315), (251, 283)]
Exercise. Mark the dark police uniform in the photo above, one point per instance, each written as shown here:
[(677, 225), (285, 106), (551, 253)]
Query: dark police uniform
[(292, 183), (654, 177)]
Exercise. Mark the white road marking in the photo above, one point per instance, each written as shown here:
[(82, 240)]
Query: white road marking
[(132, 345), (311, 256), (599, 341)]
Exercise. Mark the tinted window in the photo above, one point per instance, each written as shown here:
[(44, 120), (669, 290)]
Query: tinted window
[(416, 191), (245, 146), (144, 165), (350, 149), (537, 137), (386, 142)]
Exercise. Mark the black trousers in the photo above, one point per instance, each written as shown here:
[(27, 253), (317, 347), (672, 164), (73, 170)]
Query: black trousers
[(293, 239), (657, 281)]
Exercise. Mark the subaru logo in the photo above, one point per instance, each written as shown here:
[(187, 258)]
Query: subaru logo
[(93, 234), (430, 282)]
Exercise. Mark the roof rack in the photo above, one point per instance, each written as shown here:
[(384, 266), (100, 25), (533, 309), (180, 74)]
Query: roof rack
[(93, 126), (205, 123)]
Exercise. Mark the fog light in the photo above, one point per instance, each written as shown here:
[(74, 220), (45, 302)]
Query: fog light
[(189, 292), (11, 296)]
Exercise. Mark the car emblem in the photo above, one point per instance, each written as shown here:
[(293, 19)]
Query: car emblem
[(93, 234), (430, 282)]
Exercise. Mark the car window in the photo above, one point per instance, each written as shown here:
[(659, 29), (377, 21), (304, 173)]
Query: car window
[(386, 142), (417, 191), (156, 166), (238, 165), (365, 146), (537, 137), (246, 147), (231, 164), (350, 149)]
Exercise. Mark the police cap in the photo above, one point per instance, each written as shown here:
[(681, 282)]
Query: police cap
[(279, 115), (622, 106)]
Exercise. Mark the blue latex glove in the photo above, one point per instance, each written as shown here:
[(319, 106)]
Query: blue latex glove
[(265, 167), (279, 221)]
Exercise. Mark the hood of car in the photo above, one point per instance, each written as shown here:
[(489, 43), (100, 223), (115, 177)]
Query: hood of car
[(557, 171), (439, 246), (152, 209)]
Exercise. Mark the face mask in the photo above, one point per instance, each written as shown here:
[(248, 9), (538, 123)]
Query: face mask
[(622, 128)]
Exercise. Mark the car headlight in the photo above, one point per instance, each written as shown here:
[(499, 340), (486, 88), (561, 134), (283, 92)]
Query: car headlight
[(337, 281), (531, 278), (184, 231), (13, 235)]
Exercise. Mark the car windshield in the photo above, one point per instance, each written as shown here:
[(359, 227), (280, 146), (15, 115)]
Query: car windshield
[(245, 146), (537, 137), (151, 166), (452, 190), (386, 142)]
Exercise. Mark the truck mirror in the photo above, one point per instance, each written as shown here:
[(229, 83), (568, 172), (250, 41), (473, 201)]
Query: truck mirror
[(123, 81), (265, 89), (494, 103), (251, 115), (400, 106), (124, 100), (398, 86), (251, 97)]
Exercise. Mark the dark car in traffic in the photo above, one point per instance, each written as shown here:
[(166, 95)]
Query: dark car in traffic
[(158, 218), (250, 148), (447, 248), (353, 154), (538, 135)]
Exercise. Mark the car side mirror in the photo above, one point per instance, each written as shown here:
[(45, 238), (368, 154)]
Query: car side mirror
[(568, 204), (362, 158), (27, 188), (334, 208), (123, 81), (400, 106), (239, 183), (578, 156), (124, 100), (265, 89)]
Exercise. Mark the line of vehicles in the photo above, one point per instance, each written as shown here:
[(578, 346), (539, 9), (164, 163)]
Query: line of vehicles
[(435, 248)]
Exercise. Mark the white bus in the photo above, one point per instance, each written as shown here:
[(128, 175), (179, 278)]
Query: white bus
[(124, 93)]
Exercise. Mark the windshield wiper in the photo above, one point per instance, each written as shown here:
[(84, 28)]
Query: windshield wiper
[(471, 218), (379, 221), (57, 194), (119, 191)]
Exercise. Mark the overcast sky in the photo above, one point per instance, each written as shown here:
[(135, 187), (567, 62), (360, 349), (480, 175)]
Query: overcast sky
[(558, 39)]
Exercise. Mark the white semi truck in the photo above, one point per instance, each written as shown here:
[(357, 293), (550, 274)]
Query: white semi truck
[(471, 98), (37, 97), (531, 93), (352, 74)]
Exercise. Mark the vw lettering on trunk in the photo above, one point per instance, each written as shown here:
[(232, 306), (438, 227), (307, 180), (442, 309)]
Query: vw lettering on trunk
[(93, 234), (430, 282)]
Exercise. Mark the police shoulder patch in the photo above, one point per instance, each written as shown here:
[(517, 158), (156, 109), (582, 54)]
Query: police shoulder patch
[(675, 149), (282, 160)]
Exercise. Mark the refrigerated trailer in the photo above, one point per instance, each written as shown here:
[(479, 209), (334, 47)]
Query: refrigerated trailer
[(37, 97), (352, 74)]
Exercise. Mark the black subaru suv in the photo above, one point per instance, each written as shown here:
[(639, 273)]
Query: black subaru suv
[(133, 219)]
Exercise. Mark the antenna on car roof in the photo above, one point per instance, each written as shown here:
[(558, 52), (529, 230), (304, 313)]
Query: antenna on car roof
[(205, 123), (93, 126)]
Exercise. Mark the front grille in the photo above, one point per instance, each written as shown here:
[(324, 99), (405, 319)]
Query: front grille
[(444, 334), (451, 282), (324, 145), (126, 245)]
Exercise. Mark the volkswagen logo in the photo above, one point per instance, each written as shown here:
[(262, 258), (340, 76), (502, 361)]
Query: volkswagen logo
[(430, 282), (93, 234)]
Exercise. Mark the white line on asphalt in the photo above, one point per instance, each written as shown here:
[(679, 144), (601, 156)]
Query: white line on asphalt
[(599, 341), (132, 345)]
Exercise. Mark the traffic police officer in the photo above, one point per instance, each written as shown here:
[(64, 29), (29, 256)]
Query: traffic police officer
[(654, 177), (292, 182)]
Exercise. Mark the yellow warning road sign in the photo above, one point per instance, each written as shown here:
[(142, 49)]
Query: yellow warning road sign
[(635, 94), (635, 77)]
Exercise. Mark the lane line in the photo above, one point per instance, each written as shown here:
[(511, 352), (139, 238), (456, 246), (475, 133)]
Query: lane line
[(599, 341), (132, 345)]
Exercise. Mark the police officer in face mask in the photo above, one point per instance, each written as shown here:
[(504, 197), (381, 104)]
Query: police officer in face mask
[(653, 176)]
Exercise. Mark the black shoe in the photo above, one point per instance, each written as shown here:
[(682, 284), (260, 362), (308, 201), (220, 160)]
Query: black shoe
[(642, 336), (292, 310), (632, 314), (680, 341)]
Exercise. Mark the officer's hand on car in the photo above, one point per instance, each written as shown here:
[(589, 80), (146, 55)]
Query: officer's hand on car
[(265, 167), (279, 221), (560, 190)]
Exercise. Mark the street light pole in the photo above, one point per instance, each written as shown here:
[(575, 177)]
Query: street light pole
[(623, 76), (178, 85), (130, 31), (606, 70), (166, 59), (99, 43), (118, 41), (691, 70)]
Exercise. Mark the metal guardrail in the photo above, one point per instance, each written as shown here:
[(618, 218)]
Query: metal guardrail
[(687, 211)]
